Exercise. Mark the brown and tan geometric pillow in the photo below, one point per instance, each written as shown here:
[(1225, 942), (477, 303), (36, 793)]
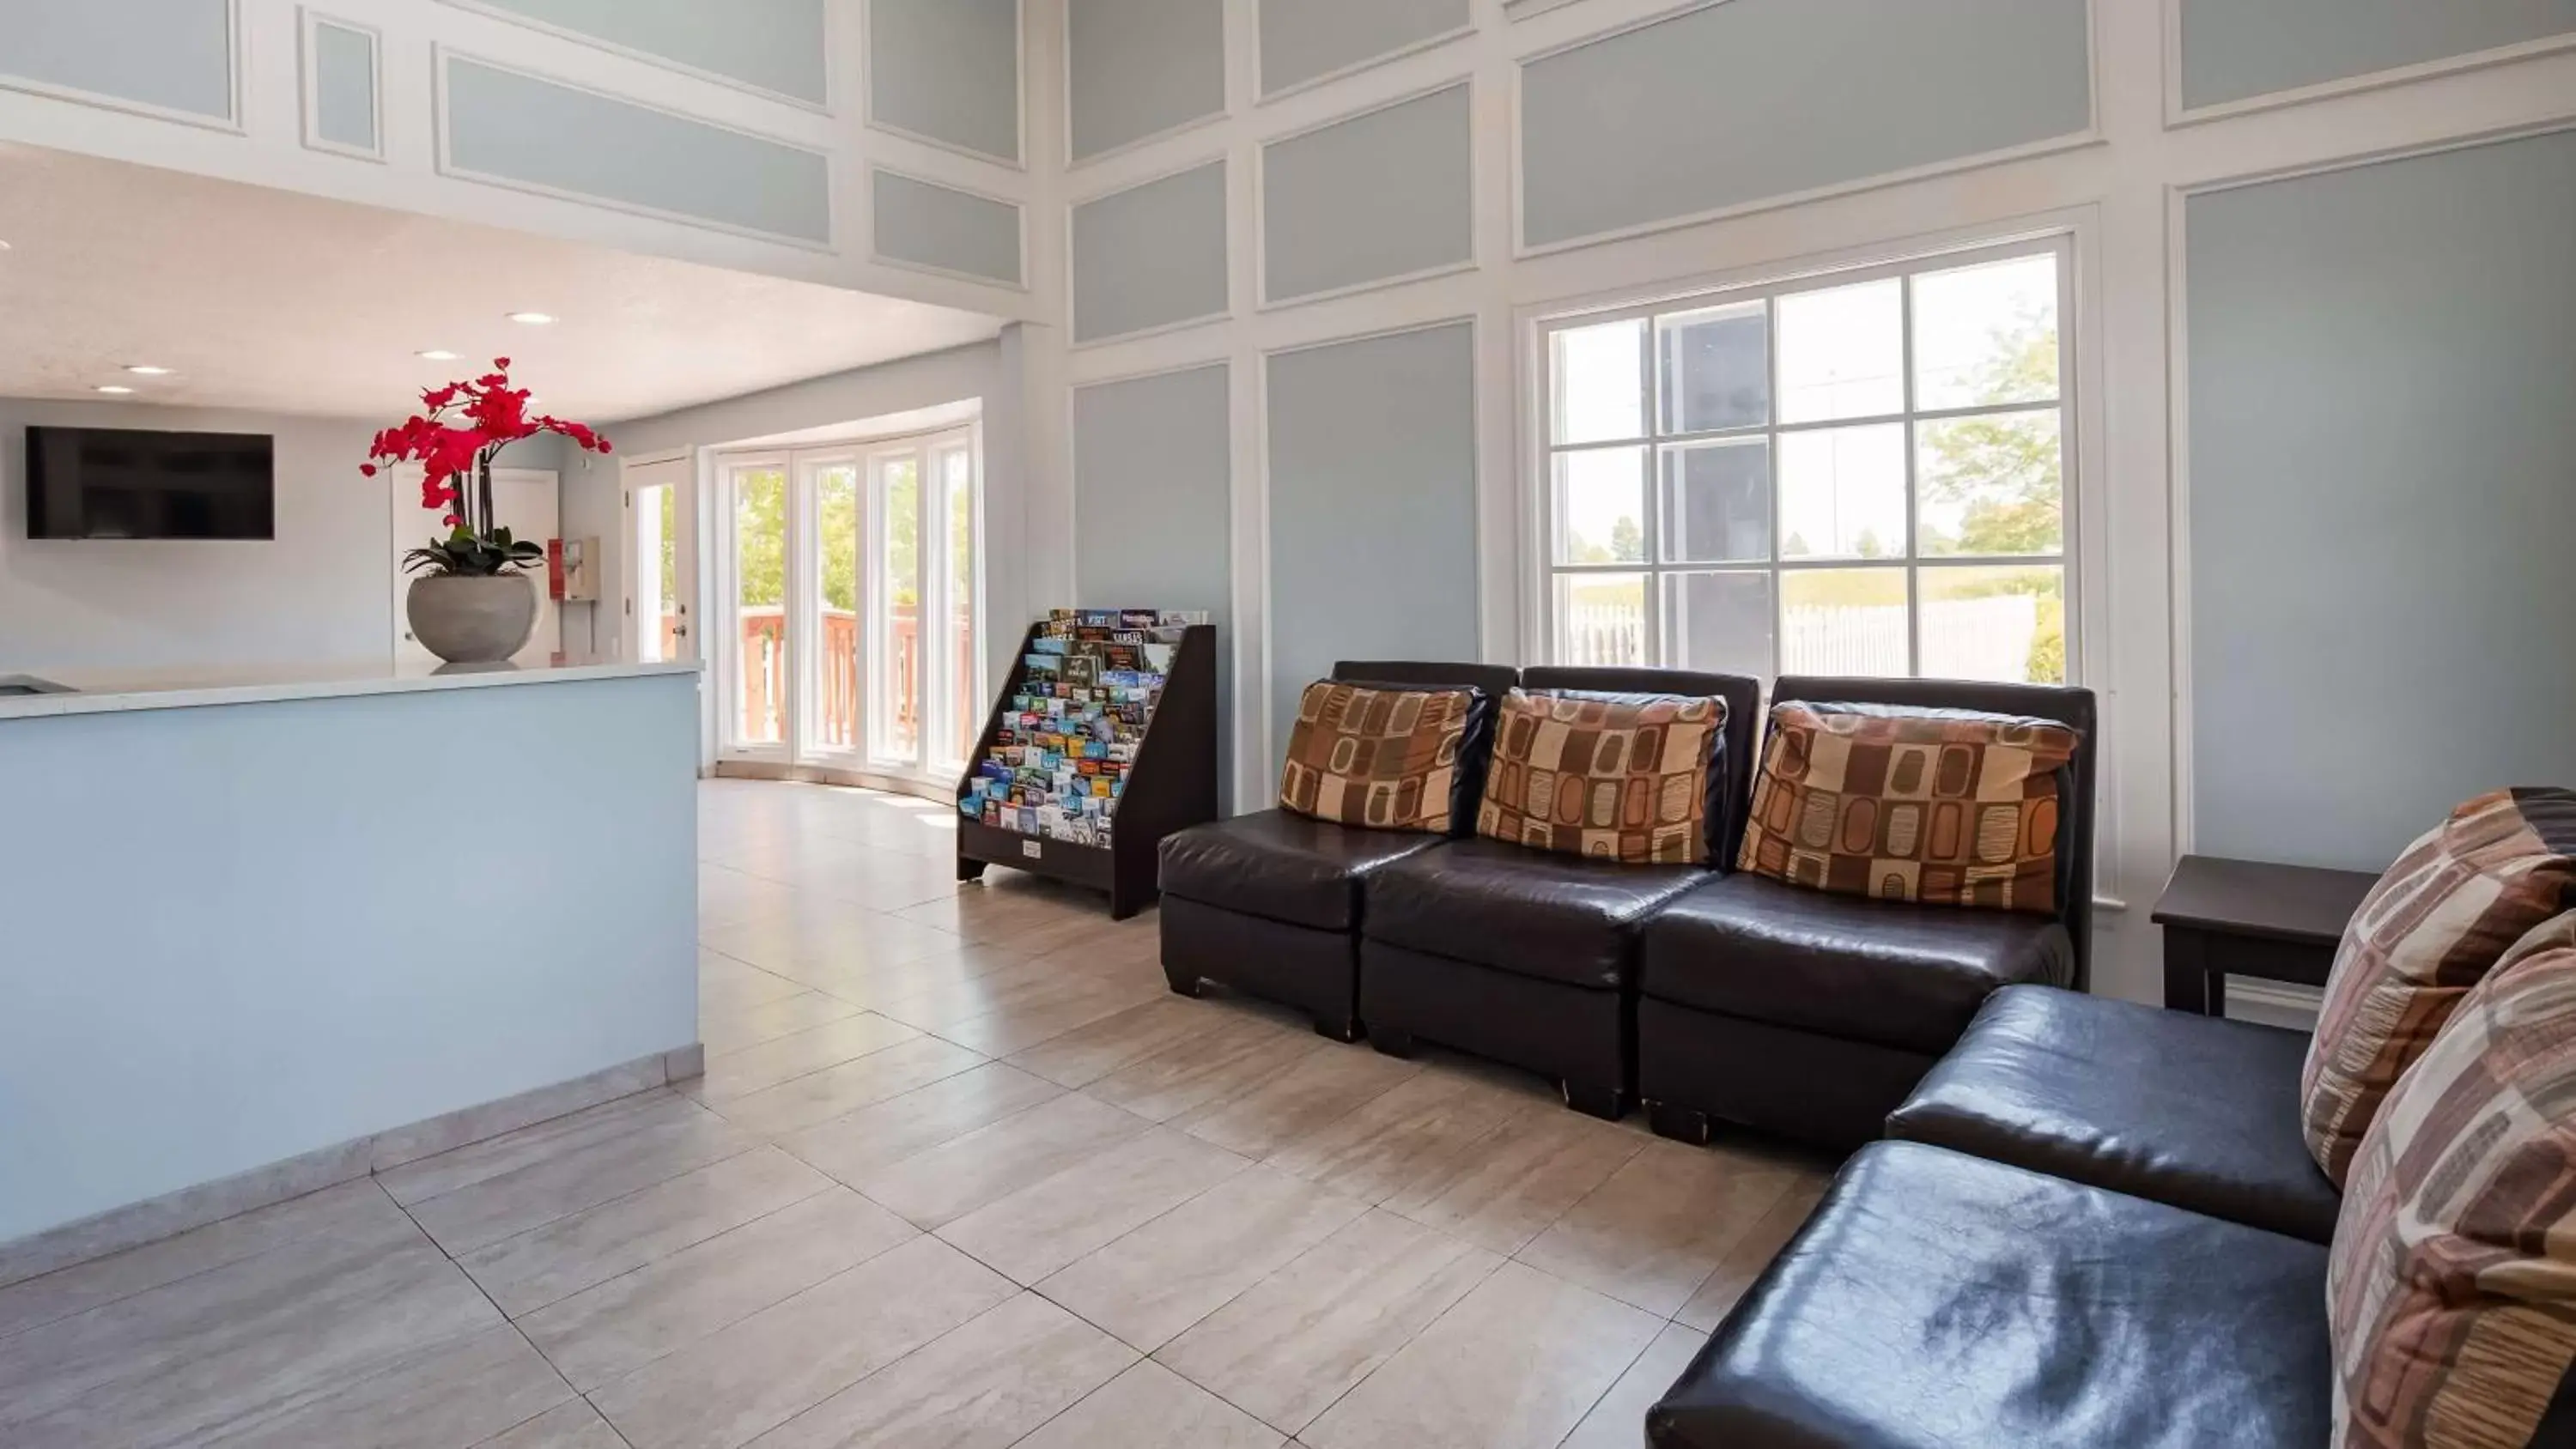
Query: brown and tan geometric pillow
[(1940, 807), (1382, 758), (2433, 927), (1619, 777), (2451, 1287)]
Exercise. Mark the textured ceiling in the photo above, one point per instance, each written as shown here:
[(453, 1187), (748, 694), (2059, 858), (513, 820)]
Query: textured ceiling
[(276, 301)]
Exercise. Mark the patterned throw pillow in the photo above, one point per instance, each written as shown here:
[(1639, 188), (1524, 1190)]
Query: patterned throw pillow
[(2431, 929), (2451, 1288), (1937, 806), (1368, 755), (1619, 777)]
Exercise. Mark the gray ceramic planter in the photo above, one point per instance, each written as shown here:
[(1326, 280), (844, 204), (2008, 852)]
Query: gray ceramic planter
[(473, 620)]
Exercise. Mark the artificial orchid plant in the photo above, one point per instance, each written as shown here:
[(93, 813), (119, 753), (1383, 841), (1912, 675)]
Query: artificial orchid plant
[(462, 427)]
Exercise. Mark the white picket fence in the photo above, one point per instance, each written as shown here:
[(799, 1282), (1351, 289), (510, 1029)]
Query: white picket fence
[(1986, 638)]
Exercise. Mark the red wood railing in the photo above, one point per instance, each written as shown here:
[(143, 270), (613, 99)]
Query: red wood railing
[(764, 676)]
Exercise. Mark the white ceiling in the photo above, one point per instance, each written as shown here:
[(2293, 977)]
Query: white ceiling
[(280, 302)]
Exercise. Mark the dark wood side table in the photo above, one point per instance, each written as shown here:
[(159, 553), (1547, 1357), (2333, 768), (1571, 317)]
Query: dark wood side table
[(2227, 918)]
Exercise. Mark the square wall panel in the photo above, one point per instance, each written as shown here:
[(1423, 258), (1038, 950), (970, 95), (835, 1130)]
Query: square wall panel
[(1306, 40), (948, 71), (1150, 256), (924, 224), (1383, 195), (1139, 68), (2241, 50)]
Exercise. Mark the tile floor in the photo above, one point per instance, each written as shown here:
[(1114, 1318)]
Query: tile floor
[(961, 1172)]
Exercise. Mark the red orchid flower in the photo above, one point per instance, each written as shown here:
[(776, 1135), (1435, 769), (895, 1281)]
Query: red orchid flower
[(460, 429)]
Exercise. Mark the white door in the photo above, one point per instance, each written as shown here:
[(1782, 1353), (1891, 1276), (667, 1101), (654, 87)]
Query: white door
[(526, 502), (658, 620)]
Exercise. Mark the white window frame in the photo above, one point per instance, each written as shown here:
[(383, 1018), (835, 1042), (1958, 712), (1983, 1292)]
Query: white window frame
[(1545, 569)]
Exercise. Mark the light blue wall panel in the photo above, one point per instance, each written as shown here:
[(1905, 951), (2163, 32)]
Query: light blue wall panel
[(2383, 488), (1387, 194), (172, 54), (1138, 68), (948, 71), (1372, 507), (344, 87), (520, 128), (1304, 39), (1754, 99), (2236, 50), (775, 45), (1151, 255), (955, 231), (1153, 509)]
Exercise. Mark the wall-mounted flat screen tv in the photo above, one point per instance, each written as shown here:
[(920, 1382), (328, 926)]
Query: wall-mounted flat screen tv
[(122, 483)]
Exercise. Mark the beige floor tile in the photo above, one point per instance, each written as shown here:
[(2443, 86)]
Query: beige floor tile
[(1026, 914), (1290, 1345), (1092, 1203), (575, 1425), (620, 1325), (1744, 1262), (1086, 1054), (992, 1162), (458, 1393), (1152, 1284), (1151, 1407), (727, 895), (535, 1144), (818, 1097), (983, 1385), (354, 1212), (1399, 1138), (1619, 1420), (757, 1374), (741, 1073), (1650, 1234), (1514, 1365), (558, 1186), (527, 1272), (1315, 1091), (1506, 1187), (730, 1030), (825, 944), (1232, 1055), (1017, 1028), (876, 1137)]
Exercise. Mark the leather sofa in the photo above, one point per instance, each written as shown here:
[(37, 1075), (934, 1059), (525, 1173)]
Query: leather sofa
[(2095, 1223), (1814, 1015), (1270, 903), (1529, 957)]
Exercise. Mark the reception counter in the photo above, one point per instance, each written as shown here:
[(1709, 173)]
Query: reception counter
[(264, 930)]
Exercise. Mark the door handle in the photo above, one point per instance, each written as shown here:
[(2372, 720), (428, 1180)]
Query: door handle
[(680, 630)]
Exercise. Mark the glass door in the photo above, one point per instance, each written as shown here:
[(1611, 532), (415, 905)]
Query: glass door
[(894, 609), (759, 673), (828, 485)]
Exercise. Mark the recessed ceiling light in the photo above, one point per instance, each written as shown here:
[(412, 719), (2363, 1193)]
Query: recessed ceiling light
[(145, 369), (114, 389), (533, 319), (437, 354), (4, 246)]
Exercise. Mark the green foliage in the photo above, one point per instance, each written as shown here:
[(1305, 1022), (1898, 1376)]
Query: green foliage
[(760, 538), (2008, 476), (466, 554)]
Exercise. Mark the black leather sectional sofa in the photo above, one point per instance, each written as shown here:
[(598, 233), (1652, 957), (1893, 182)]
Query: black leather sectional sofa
[(2094, 1223), (1715, 996)]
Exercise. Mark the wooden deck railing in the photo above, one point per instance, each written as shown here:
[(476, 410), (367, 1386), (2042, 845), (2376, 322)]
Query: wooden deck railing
[(765, 665)]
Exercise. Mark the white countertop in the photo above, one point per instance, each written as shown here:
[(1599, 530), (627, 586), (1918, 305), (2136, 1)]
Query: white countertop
[(112, 691)]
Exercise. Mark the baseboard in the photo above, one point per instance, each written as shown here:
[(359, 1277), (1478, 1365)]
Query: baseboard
[(171, 1214), (2273, 1003)]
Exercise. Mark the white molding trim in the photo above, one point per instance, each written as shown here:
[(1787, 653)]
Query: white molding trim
[(236, 49), (1020, 93), (1224, 109), (442, 109), (1074, 340), (2179, 114), (1473, 261), (1357, 67), (830, 40), (1019, 209), (309, 82), (2092, 135)]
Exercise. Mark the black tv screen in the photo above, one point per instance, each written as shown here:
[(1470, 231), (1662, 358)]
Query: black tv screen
[(122, 483)]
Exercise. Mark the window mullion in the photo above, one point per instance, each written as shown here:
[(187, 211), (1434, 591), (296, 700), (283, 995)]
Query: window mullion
[(1913, 482)]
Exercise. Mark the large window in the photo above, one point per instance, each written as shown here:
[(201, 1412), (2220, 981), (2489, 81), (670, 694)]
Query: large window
[(1857, 474)]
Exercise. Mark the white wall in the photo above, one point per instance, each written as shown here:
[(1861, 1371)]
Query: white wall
[(2115, 185)]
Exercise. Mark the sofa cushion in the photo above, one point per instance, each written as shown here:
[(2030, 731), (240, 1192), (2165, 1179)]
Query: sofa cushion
[(1938, 1301), (2431, 929), (1283, 867), (2452, 1287), (1940, 806), (1387, 759), (1898, 975), (2188, 1110), (1621, 777), (1523, 911)]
